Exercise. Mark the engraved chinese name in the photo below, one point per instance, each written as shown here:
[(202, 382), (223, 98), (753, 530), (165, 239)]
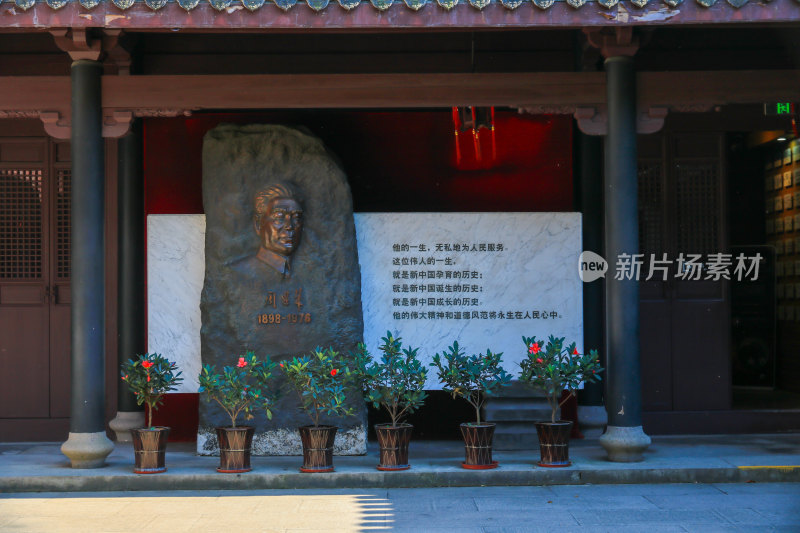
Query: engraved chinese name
[(284, 308)]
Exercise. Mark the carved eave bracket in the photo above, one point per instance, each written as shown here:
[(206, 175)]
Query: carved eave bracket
[(55, 124), (79, 43), (613, 42), (594, 120), (116, 122)]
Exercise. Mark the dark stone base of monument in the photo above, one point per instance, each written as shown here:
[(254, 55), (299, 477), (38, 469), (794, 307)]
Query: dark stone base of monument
[(281, 272)]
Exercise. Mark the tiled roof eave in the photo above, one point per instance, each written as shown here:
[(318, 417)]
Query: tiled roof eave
[(386, 15), (384, 5)]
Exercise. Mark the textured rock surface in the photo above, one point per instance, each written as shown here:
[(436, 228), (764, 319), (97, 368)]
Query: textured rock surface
[(322, 293)]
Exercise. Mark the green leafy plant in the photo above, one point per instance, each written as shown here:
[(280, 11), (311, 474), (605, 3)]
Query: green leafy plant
[(396, 381), (241, 388), (472, 377), (149, 377), (322, 379), (552, 368)]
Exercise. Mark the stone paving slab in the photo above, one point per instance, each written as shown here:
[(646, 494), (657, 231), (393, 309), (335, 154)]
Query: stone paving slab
[(671, 459), (577, 508)]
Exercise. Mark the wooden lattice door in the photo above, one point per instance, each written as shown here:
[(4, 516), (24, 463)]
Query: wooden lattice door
[(684, 322), (34, 287)]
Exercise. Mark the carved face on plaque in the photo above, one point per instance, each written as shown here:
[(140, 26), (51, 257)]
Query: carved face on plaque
[(278, 222)]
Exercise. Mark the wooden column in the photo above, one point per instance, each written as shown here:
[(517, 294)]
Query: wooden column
[(624, 439), (131, 299), (87, 445)]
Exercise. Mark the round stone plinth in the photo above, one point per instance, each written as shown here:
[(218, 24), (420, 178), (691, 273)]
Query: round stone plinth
[(87, 450), (124, 422), (592, 420), (625, 444)]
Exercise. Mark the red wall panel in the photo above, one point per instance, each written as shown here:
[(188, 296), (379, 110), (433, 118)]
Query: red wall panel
[(395, 161)]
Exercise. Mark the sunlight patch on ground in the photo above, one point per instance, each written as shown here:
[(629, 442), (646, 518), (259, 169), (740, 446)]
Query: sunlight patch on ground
[(195, 512)]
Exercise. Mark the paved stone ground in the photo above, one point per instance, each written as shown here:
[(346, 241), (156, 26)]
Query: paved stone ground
[(41, 467), (614, 508)]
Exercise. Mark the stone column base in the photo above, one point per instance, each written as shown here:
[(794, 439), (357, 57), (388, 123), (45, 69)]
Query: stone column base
[(87, 450), (592, 420), (124, 422), (625, 444)]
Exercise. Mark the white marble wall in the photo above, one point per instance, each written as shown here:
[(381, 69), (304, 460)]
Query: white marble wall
[(536, 271), (175, 270)]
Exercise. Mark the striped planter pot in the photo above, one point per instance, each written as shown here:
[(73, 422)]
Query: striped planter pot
[(149, 450), (317, 448), (478, 446), (393, 443), (234, 449), (554, 443)]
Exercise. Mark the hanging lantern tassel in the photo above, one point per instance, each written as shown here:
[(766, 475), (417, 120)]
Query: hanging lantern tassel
[(494, 140), (475, 139), (456, 127)]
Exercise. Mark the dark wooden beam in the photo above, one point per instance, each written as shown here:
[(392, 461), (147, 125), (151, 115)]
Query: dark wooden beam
[(719, 87), (170, 95), (358, 90)]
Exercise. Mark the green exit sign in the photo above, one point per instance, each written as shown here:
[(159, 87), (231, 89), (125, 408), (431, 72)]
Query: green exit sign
[(779, 108)]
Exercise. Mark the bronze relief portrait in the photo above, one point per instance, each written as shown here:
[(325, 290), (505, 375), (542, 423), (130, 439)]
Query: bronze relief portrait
[(278, 223)]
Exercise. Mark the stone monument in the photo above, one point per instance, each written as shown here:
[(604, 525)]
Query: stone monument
[(281, 269)]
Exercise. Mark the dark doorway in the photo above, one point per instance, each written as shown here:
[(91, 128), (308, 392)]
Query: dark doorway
[(684, 321)]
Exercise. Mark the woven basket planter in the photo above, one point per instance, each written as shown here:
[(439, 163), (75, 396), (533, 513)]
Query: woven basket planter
[(317, 448), (554, 443), (393, 443), (478, 446), (149, 450), (235, 444)]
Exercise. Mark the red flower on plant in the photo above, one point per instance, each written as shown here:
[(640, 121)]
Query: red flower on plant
[(125, 378), (147, 364), (534, 348), (539, 360), (242, 363), (334, 372), (575, 351), (148, 377), (280, 365)]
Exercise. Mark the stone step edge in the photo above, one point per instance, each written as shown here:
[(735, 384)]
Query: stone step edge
[(535, 476)]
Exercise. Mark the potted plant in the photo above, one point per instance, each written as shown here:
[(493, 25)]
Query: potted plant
[(553, 369), (149, 377), (321, 378), (395, 383), (473, 377), (238, 390)]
